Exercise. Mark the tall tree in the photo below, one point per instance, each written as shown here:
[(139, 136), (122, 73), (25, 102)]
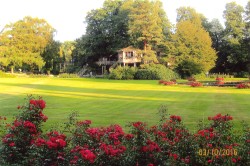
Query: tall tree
[(106, 30), (148, 28), (233, 15), (216, 32), (234, 33), (23, 42), (247, 34), (189, 14), (193, 44), (148, 23)]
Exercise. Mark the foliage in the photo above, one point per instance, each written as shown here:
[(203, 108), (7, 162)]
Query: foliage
[(168, 143), (191, 43), (52, 58), (106, 31), (149, 25), (122, 73), (188, 68), (155, 72), (65, 51), (23, 42)]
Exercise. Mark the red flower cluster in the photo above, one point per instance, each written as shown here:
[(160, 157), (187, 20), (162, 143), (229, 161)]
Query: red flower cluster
[(219, 117), (85, 154), (243, 86), (30, 126), (38, 103), (88, 155), (139, 125), (175, 156), (219, 81), (208, 134), (85, 122), (150, 147), (95, 133), (167, 82), (195, 84), (175, 118), (56, 140), (112, 150)]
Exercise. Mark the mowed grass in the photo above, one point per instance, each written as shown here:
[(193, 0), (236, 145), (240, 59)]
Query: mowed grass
[(108, 102)]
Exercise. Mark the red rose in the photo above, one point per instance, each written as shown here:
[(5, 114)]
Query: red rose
[(234, 160), (209, 161), (12, 144)]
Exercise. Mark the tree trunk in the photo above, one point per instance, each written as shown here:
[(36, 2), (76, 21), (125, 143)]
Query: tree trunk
[(12, 69)]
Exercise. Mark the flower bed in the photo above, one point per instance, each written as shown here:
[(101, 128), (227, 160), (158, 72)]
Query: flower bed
[(219, 81), (168, 143), (243, 86), (167, 82), (196, 84)]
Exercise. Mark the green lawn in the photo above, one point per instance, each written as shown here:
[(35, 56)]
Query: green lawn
[(111, 101)]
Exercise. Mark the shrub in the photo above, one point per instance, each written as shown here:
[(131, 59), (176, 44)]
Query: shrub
[(195, 84), (219, 81), (155, 72), (122, 73), (188, 68), (17, 143), (166, 82), (243, 86)]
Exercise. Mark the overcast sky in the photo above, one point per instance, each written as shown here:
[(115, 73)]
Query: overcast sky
[(67, 16)]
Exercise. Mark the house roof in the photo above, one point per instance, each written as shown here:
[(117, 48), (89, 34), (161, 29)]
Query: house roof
[(129, 48)]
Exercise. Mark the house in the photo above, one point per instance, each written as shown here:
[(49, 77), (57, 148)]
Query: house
[(126, 56)]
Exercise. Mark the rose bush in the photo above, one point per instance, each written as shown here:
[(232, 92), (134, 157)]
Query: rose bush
[(168, 143)]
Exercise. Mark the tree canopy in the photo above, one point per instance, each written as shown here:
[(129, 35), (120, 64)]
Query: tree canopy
[(192, 43), (23, 42)]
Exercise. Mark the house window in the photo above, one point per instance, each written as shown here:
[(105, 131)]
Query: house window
[(129, 54)]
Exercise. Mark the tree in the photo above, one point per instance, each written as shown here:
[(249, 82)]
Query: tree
[(148, 24), (189, 14), (193, 44), (234, 34), (23, 42), (51, 57), (247, 34), (66, 50), (234, 22), (106, 30)]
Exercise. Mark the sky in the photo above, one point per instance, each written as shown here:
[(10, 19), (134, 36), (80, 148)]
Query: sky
[(68, 16)]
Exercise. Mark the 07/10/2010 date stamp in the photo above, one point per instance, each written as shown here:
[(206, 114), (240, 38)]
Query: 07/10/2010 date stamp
[(217, 152)]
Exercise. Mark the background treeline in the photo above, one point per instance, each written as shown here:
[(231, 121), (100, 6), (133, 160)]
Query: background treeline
[(193, 45)]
